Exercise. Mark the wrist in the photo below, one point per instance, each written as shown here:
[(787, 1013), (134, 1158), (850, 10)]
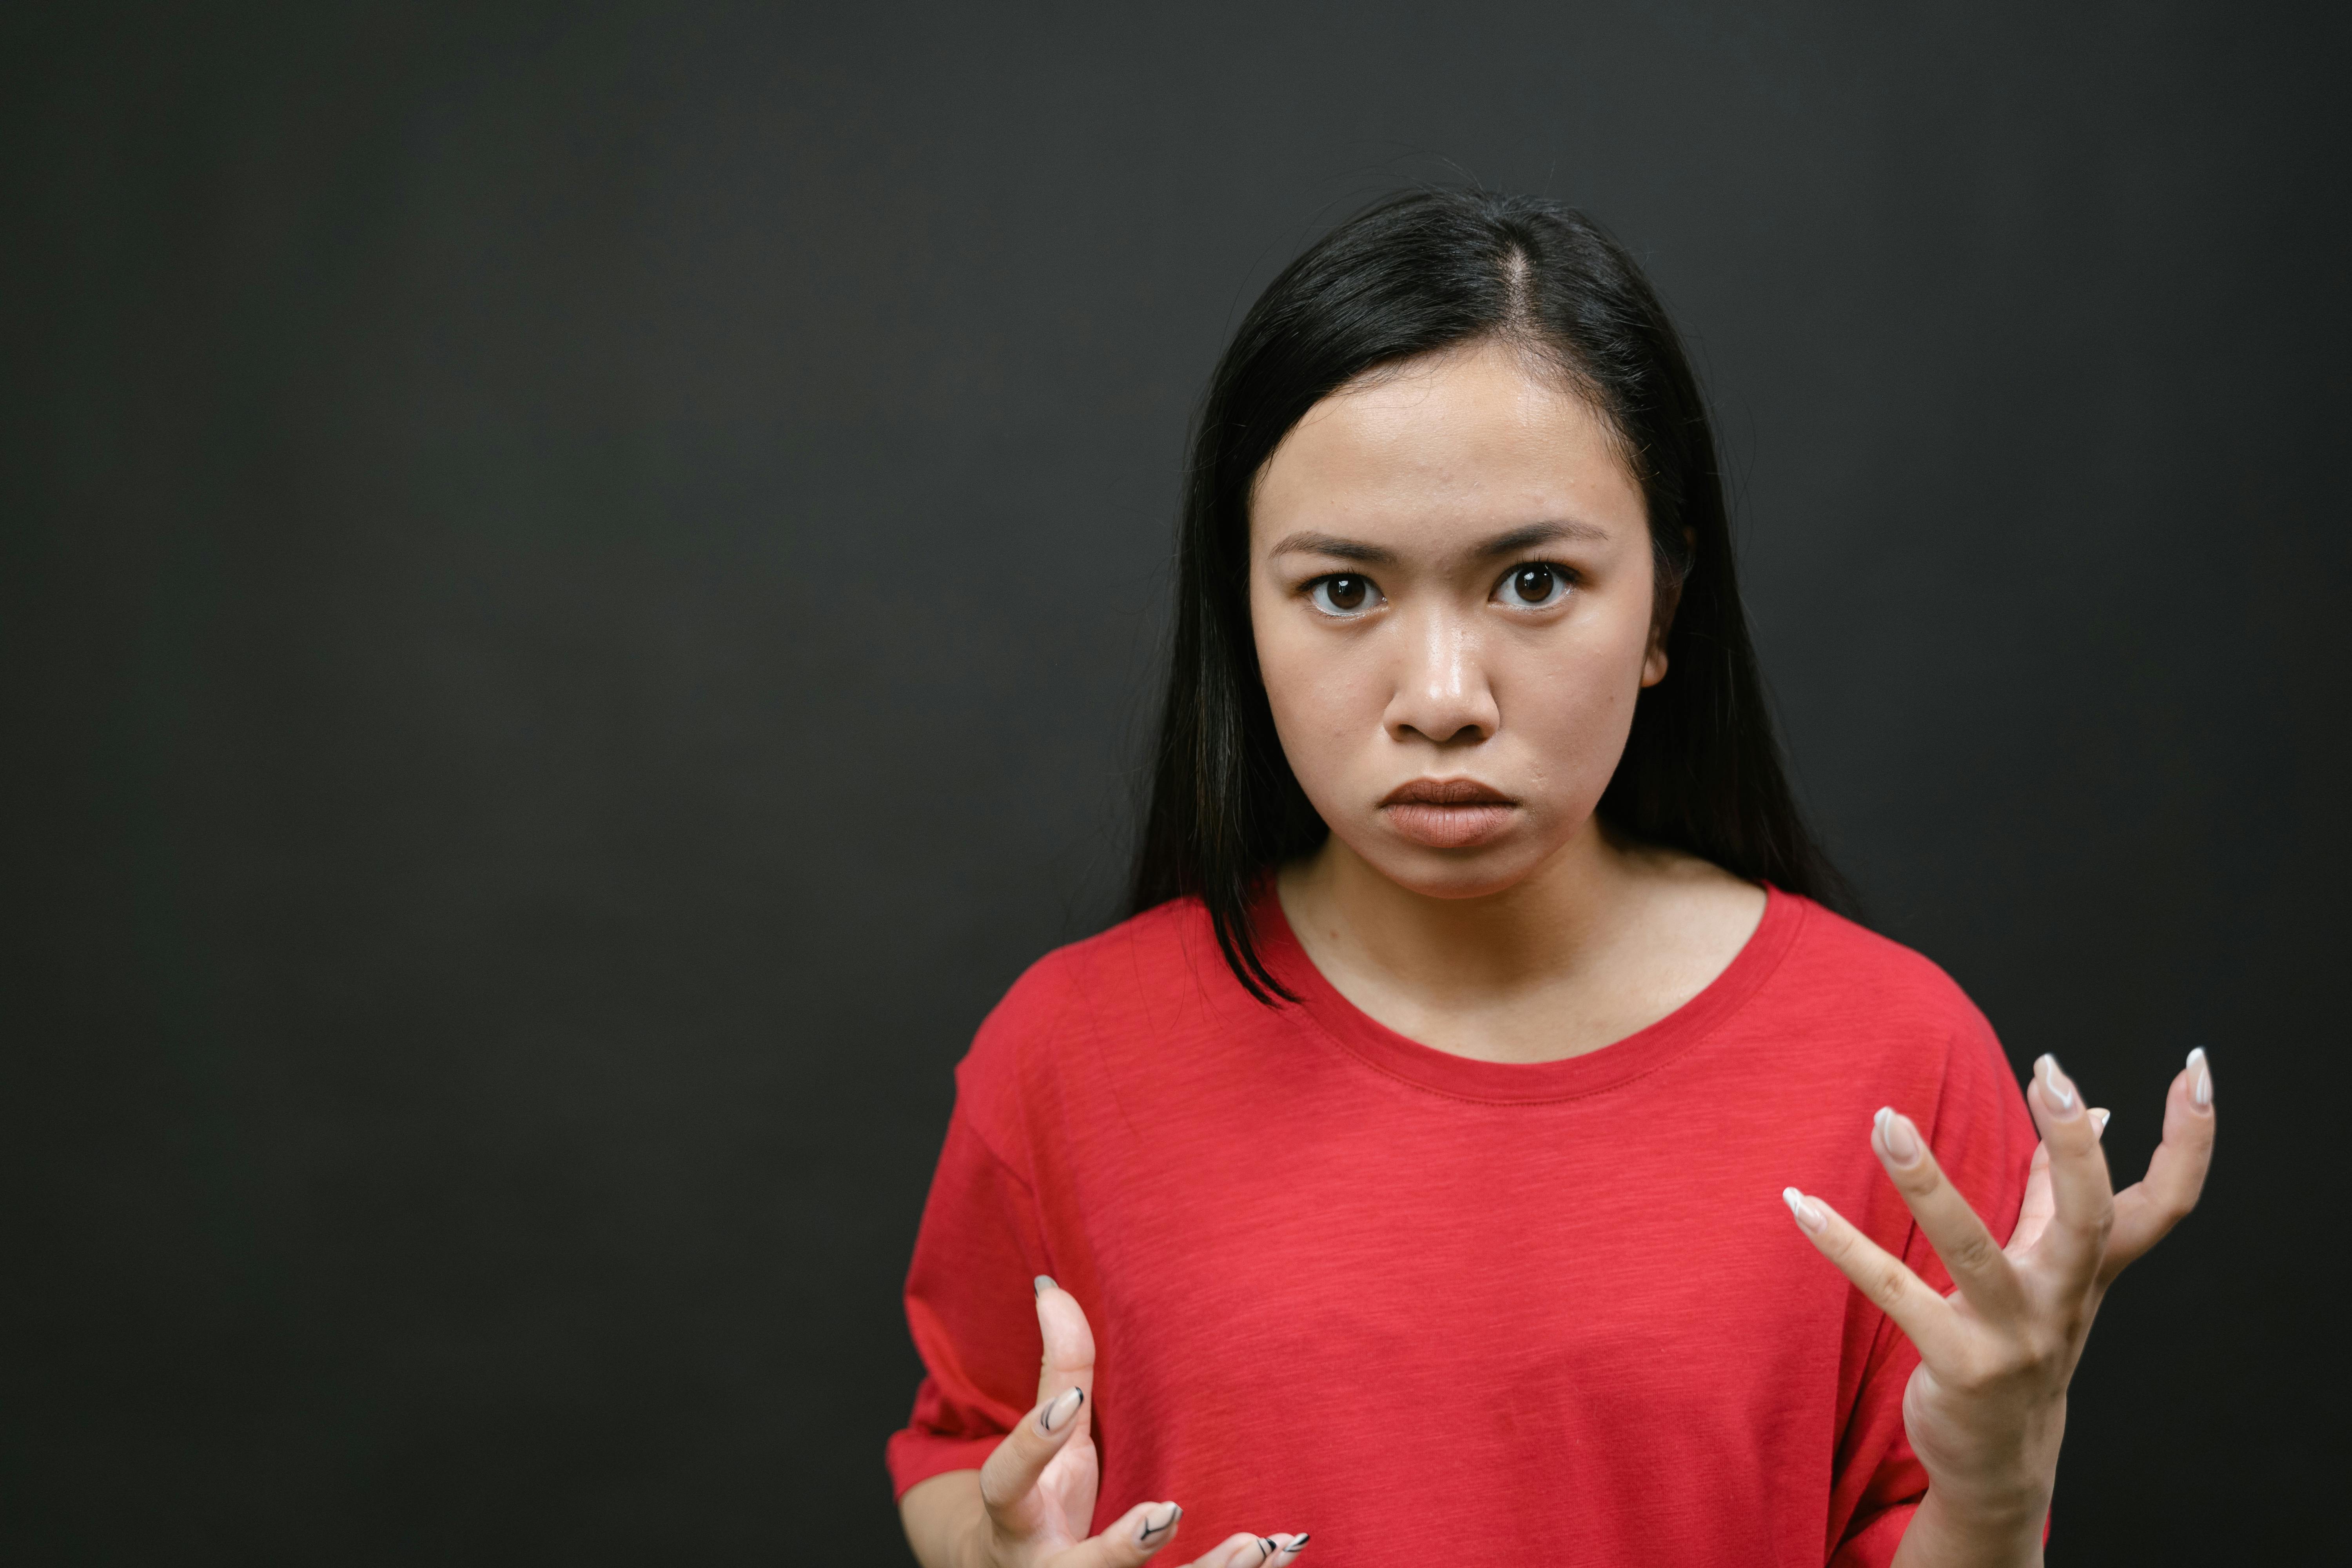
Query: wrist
[(1997, 1528), (972, 1547)]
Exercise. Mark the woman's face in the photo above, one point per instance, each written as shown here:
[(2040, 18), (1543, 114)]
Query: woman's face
[(1449, 588)]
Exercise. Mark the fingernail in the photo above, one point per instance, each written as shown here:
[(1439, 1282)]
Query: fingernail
[(1151, 1531), (1896, 1132), (2057, 1087), (2201, 1087), (1052, 1417), (1809, 1213), (1042, 1283), (2099, 1123), (1297, 1544)]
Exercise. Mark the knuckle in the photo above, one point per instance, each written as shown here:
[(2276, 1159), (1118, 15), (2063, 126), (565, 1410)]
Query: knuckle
[(1973, 1254), (1886, 1284)]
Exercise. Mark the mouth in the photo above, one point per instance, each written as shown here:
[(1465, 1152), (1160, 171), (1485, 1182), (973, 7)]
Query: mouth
[(1448, 814)]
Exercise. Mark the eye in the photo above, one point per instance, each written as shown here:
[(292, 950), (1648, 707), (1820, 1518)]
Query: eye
[(1533, 585), (1344, 596)]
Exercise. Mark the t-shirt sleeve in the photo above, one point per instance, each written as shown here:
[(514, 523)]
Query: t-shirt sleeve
[(972, 1310), (1984, 1138)]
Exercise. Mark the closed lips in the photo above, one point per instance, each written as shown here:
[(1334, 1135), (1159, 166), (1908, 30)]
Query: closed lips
[(1445, 792), (1448, 814)]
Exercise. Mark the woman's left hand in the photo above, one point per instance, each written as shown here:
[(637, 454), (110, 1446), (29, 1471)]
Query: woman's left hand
[(1986, 1405)]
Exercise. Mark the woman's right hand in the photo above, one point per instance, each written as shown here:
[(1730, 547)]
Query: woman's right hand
[(1036, 1492)]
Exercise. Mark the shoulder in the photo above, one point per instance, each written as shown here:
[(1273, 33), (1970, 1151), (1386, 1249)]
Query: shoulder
[(1128, 968), (1841, 970), (1894, 1013), (1147, 982)]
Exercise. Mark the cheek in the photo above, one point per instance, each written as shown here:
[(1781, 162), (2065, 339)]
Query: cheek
[(1570, 707), (1324, 695)]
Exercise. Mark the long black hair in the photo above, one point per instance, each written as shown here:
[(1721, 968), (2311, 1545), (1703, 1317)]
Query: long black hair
[(1702, 770)]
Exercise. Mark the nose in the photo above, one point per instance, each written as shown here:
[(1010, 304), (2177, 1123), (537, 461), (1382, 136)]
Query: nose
[(1442, 692)]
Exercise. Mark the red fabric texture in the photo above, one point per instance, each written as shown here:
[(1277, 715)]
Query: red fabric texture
[(1437, 1310)]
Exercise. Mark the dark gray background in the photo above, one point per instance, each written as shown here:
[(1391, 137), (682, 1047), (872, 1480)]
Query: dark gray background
[(578, 595)]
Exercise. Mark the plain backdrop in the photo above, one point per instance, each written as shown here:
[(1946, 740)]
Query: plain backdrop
[(580, 587)]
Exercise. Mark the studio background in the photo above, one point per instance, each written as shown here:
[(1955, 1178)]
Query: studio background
[(582, 586)]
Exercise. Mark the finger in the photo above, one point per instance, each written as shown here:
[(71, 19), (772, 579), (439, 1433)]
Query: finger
[(2084, 1205), (1923, 1315), (1970, 1255), (1134, 1537), (2176, 1176), (1008, 1480), (2034, 1213), (1245, 1551), (1069, 1357), (1241, 1550)]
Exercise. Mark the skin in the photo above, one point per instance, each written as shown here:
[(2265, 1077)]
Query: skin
[(1395, 534)]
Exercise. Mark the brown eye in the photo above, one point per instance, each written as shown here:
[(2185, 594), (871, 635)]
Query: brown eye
[(1343, 596), (1538, 582)]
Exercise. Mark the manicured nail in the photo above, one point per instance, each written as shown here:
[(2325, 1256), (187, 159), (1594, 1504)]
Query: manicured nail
[(1042, 1283), (1053, 1418), (2201, 1087), (1809, 1213), (1150, 1531), (2099, 1123), (2057, 1087), (1896, 1132), (1290, 1547)]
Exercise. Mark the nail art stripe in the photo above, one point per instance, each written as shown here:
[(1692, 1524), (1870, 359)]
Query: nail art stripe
[(2056, 1084), (1057, 1415)]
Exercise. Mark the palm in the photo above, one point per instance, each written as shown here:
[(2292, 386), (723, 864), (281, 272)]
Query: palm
[(1065, 1494)]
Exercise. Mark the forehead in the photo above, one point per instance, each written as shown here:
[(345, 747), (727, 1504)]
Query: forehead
[(1456, 442)]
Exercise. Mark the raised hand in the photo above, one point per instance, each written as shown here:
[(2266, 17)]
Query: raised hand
[(1987, 1407), (1036, 1492)]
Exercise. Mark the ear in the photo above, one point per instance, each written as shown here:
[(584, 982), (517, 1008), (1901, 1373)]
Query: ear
[(1654, 663), (1665, 599)]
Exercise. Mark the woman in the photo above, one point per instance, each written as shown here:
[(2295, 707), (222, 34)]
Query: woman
[(1407, 1172)]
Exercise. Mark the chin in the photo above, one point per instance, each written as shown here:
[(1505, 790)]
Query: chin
[(1477, 873)]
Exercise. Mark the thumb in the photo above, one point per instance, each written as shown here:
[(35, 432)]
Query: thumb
[(1008, 1480), (1069, 1358)]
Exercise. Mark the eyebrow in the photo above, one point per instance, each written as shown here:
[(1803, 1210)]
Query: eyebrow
[(1503, 543)]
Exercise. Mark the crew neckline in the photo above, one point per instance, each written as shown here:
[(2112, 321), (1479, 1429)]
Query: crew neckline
[(1384, 1050)]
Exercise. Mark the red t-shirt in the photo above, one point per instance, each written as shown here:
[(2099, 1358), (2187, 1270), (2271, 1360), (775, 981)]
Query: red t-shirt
[(1436, 1309)]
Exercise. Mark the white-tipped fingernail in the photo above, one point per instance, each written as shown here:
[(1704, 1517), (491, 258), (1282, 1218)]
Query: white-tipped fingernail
[(1156, 1525), (1056, 1416), (2099, 1123), (1896, 1132), (1289, 1546), (2057, 1087), (2200, 1084), (1809, 1213)]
